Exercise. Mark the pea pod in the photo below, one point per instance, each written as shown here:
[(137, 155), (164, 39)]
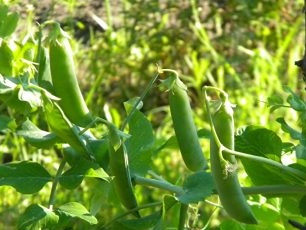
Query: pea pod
[(119, 165), (184, 127), (223, 167), (62, 127), (64, 78)]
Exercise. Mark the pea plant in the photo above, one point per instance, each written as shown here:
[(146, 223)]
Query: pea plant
[(45, 106)]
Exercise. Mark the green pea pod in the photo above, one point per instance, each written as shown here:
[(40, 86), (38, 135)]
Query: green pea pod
[(62, 127), (223, 168), (64, 79), (184, 127), (119, 165)]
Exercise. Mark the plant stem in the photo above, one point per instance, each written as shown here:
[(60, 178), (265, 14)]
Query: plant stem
[(144, 93), (129, 212), (275, 189), (158, 184), (292, 171), (55, 182), (183, 216)]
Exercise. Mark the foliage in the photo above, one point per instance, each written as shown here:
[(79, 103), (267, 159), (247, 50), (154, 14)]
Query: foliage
[(56, 174)]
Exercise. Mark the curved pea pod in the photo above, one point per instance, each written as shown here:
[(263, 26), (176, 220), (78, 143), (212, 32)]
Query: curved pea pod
[(223, 167), (63, 128), (184, 127), (119, 165), (64, 78)]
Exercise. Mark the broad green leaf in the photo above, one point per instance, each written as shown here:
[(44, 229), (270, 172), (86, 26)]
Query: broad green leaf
[(197, 187), (259, 141), (300, 152), (139, 145), (266, 213), (21, 94), (6, 58), (143, 223), (74, 176), (8, 24), (26, 177), (5, 123), (204, 133), (262, 142), (302, 206), (76, 210), (99, 149), (37, 217), (37, 137), (275, 102)]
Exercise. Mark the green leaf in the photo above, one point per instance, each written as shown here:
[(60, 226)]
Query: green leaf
[(74, 176), (302, 206), (259, 141), (37, 217), (293, 133), (168, 202), (295, 101), (99, 149), (20, 94), (275, 102), (5, 123), (37, 137), (76, 210), (8, 22), (26, 177), (197, 187), (139, 145), (262, 142), (6, 59), (143, 223)]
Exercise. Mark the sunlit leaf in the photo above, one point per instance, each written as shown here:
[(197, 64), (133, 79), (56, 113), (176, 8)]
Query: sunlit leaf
[(37, 137), (6, 58), (37, 217), (139, 145), (197, 187), (76, 210), (262, 142), (74, 176), (26, 177)]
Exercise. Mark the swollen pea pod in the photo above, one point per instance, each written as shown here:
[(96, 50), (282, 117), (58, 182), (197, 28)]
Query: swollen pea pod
[(184, 127), (223, 167), (64, 78), (119, 165)]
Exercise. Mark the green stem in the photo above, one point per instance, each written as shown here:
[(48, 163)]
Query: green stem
[(129, 212), (292, 171), (158, 184), (142, 96), (183, 216), (214, 133), (275, 189), (55, 182), (91, 124)]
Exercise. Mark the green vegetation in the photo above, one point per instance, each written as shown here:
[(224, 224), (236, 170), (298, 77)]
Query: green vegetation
[(93, 119)]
